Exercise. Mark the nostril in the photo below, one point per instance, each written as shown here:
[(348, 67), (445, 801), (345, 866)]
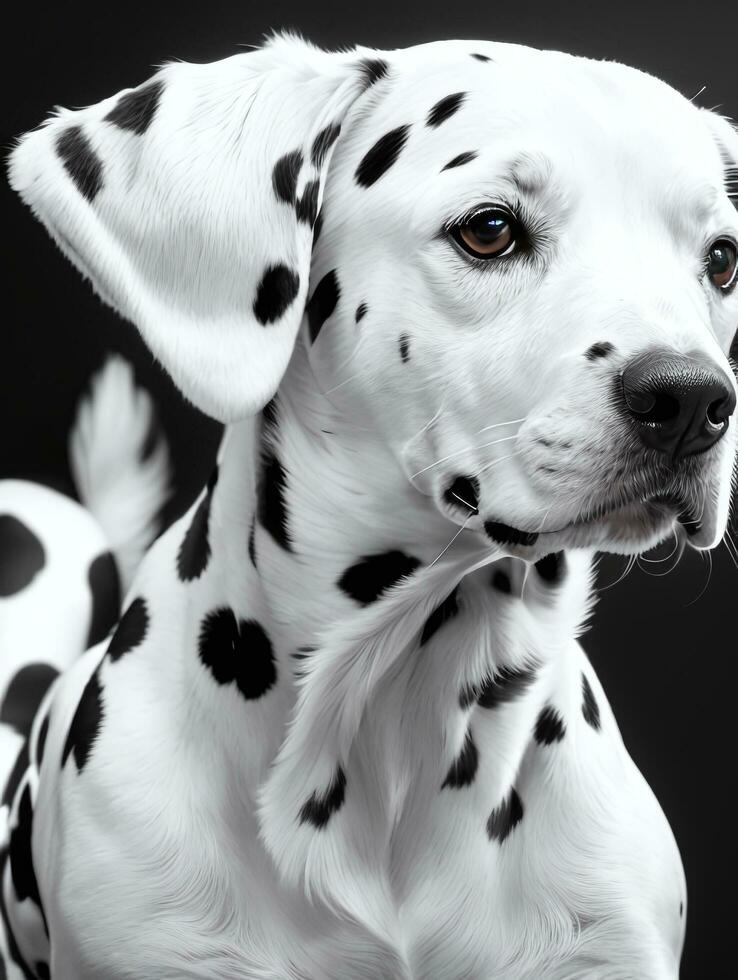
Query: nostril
[(719, 411), (665, 408), (464, 492), (640, 402), (652, 406)]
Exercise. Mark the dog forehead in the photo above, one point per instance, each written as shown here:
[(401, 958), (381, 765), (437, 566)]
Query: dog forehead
[(572, 106)]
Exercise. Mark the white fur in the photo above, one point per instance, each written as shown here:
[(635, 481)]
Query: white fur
[(181, 852), (122, 491), (121, 497)]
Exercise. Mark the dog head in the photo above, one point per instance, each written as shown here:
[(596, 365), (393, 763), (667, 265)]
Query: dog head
[(518, 265)]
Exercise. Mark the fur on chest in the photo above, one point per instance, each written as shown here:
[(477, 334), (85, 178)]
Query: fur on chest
[(478, 801)]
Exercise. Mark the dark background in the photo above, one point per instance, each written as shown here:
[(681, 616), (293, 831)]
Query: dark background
[(663, 646)]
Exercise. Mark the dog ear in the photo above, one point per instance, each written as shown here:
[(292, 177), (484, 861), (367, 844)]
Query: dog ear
[(189, 202)]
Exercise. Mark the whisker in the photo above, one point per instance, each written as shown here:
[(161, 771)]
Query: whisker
[(660, 561), (730, 547), (708, 557), (540, 529), (462, 528), (474, 510), (461, 452), (495, 461), (336, 387), (680, 545), (433, 418), (628, 569), (498, 424)]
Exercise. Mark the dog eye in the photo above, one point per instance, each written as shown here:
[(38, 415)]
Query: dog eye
[(721, 263), (486, 234)]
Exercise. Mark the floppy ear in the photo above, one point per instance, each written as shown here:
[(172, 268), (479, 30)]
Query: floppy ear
[(189, 203)]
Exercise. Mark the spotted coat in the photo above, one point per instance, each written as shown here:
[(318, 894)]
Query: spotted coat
[(344, 727)]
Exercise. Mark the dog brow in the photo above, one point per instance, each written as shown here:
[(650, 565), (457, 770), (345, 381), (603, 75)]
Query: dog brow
[(530, 172)]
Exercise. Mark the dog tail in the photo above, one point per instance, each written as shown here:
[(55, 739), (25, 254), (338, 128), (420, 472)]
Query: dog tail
[(120, 463)]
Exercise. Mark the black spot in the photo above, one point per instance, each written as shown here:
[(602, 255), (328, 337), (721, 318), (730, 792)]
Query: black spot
[(104, 583), (599, 350), (372, 575), (590, 708), (86, 723), (302, 653), (322, 303), (464, 767), (22, 555), (323, 142), (464, 493), (271, 499), (284, 176), (306, 207), (505, 685), (252, 541), (445, 108), (320, 807), (550, 726), (237, 650), (194, 552), (440, 615), (21, 764), (681, 909), (41, 739), (131, 630), (481, 57), (361, 311), (373, 70), (501, 581), (460, 160), (381, 156), (269, 414), (21, 856), (552, 568), (404, 345), (42, 970), (80, 161), (136, 110), (277, 290), (24, 694), (13, 951), (503, 820), (504, 534)]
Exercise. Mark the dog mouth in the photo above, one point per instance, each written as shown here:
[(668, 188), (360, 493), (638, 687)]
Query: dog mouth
[(630, 522)]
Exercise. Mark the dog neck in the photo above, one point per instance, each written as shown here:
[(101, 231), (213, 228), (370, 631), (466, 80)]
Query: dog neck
[(312, 522), (313, 512)]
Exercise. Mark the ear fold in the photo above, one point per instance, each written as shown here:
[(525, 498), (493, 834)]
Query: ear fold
[(189, 202)]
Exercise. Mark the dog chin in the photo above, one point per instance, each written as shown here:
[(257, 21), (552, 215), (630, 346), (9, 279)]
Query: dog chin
[(637, 528)]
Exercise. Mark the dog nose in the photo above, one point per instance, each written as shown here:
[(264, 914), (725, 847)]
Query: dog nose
[(681, 403)]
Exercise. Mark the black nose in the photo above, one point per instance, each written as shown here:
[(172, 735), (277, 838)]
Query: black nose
[(682, 403)]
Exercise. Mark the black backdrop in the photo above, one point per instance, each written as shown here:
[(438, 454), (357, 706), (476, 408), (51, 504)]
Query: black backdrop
[(662, 645)]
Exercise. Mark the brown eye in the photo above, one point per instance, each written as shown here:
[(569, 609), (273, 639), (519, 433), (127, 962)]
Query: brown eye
[(721, 263), (486, 234)]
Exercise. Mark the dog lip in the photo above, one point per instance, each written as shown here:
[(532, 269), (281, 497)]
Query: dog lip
[(669, 501)]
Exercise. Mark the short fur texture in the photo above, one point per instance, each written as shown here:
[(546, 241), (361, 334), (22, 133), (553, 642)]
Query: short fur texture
[(345, 729)]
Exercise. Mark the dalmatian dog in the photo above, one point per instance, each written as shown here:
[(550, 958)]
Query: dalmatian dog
[(63, 565), (466, 308)]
